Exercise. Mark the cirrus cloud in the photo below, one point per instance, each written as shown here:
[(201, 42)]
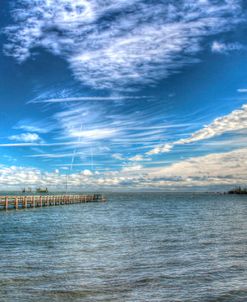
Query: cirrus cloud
[(119, 42)]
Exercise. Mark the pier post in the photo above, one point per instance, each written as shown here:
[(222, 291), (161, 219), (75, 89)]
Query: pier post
[(24, 205), (6, 203), (16, 203)]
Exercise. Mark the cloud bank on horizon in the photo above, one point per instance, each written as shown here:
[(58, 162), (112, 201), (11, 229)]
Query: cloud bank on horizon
[(155, 98)]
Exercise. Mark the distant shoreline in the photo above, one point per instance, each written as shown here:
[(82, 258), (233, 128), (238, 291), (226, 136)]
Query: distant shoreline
[(230, 192)]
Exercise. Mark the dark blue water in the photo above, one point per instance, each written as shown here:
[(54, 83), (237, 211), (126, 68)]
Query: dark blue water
[(136, 247)]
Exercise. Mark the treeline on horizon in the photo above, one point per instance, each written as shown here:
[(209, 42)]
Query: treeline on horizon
[(238, 190)]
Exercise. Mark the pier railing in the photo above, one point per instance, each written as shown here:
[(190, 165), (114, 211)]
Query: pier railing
[(24, 202)]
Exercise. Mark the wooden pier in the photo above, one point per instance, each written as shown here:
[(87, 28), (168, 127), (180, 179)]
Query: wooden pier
[(28, 202)]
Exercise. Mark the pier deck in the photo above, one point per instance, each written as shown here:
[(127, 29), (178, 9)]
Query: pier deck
[(34, 201)]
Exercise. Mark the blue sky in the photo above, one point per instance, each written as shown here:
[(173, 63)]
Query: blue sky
[(123, 95)]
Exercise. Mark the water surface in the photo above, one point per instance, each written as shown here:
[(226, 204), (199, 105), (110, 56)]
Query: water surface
[(136, 247)]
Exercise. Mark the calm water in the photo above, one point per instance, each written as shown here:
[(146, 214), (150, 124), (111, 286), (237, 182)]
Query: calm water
[(136, 247)]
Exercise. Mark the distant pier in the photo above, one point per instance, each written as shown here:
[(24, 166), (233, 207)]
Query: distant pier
[(35, 201)]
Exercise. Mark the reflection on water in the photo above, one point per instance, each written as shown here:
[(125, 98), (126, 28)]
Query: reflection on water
[(135, 247)]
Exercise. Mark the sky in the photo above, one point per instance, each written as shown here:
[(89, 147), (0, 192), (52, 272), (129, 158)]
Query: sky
[(123, 95)]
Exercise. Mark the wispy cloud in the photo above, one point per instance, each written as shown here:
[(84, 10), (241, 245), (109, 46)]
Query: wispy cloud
[(87, 98), (34, 126), (133, 46), (71, 144), (233, 122), (52, 155)]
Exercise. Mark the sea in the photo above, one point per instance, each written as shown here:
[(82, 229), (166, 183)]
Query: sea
[(138, 247)]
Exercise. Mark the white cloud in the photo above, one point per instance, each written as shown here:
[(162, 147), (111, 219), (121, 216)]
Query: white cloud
[(93, 134), (118, 156), (233, 122), (139, 158), (87, 173), (132, 168), (224, 48), (161, 149), (133, 46), (136, 158), (26, 137), (242, 90)]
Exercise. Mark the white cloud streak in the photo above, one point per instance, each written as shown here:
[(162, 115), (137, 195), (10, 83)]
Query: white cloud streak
[(234, 122), (88, 98)]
